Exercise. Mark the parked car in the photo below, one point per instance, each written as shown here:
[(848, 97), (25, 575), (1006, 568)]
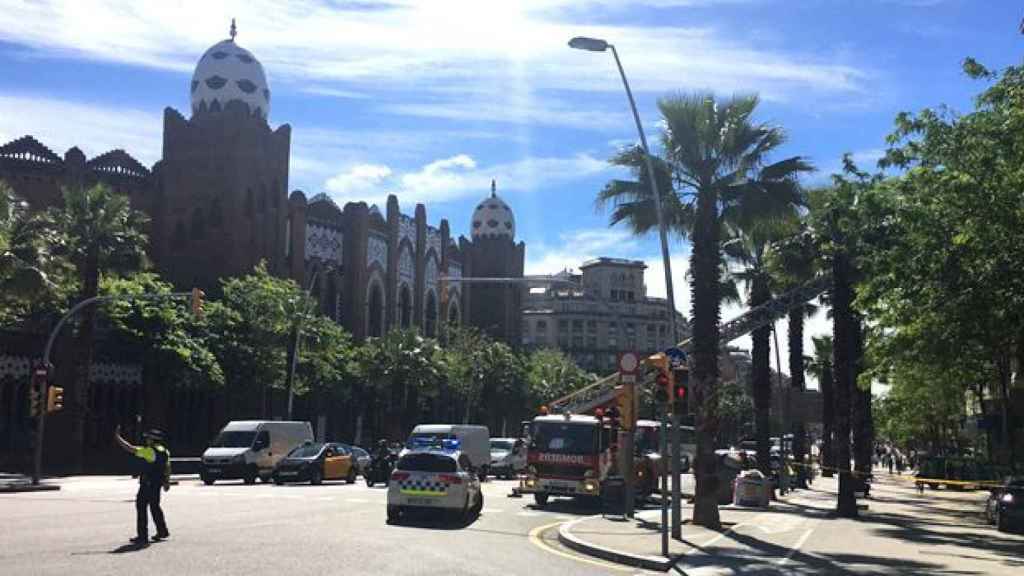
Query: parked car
[(362, 457), (1005, 505), (315, 462), (250, 449), (438, 480), (508, 457)]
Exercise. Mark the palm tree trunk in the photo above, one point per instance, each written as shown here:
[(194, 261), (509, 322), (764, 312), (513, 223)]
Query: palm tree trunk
[(84, 345), (705, 260), (762, 385), (795, 337), (842, 351), (828, 411), (863, 427)]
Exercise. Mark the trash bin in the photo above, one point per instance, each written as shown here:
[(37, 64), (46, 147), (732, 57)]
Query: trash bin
[(613, 496), (751, 489)]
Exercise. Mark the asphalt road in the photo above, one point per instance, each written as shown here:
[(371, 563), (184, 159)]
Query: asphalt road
[(230, 528)]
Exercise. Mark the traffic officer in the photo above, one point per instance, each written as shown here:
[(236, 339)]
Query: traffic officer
[(156, 474)]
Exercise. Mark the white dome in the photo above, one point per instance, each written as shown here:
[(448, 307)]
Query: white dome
[(228, 72), (493, 218)]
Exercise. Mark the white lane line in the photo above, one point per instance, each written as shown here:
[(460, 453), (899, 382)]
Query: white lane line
[(528, 514), (796, 547), (492, 510)]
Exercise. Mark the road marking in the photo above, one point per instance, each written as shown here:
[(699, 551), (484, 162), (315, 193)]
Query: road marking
[(537, 541), (492, 510), (528, 514), (796, 547), (356, 500)]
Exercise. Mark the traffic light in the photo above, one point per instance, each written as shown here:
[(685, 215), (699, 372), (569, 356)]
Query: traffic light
[(35, 398), (197, 302), (38, 385), (54, 399), (681, 385), (613, 415), (663, 389)]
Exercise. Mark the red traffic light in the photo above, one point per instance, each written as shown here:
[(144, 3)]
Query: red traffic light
[(680, 392)]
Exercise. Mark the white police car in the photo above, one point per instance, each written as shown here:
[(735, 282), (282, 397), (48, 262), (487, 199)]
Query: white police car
[(437, 479)]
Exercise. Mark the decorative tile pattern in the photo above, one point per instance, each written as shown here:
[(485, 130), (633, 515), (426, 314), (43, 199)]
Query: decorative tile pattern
[(324, 243), (406, 266), (19, 367), (376, 251), (434, 240), (406, 229)]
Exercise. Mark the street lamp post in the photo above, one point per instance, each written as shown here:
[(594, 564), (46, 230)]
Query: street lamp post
[(598, 45), (296, 332)]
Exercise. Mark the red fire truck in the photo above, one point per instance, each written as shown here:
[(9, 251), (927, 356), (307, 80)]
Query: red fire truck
[(573, 455)]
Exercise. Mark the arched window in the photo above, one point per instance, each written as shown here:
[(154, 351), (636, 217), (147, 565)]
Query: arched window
[(430, 322), (404, 307), (198, 224), (453, 314), (375, 311), (216, 213)]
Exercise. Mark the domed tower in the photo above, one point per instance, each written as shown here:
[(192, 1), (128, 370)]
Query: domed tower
[(222, 202), (493, 253)]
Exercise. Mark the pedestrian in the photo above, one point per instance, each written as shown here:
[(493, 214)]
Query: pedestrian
[(889, 461), (156, 474)]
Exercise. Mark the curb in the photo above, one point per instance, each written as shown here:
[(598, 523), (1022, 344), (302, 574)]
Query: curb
[(11, 488), (570, 540)]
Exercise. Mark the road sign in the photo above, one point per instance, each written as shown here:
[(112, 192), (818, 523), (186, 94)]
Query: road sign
[(676, 357), (628, 362)]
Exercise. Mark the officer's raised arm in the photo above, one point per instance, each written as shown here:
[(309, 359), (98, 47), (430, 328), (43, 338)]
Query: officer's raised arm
[(122, 442)]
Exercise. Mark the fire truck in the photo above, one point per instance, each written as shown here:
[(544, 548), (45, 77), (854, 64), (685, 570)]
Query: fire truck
[(572, 453)]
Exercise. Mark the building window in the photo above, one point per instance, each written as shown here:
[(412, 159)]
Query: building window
[(577, 341), (577, 326), (542, 326), (563, 340), (592, 342), (630, 329), (591, 326), (662, 330), (629, 295), (563, 325), (615, 295)]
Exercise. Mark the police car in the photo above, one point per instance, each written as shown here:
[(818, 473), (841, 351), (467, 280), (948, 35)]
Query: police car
[(436, 478)]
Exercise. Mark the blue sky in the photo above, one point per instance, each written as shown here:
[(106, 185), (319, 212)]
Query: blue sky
[(430, 100)]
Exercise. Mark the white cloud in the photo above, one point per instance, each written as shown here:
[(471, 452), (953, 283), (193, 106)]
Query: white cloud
[(61, 124), (456, 177), (445, 50), (575, 247)]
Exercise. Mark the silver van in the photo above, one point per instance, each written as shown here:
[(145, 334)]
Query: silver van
[(249, 449)]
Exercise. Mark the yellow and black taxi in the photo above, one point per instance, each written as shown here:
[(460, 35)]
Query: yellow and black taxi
[(315, 462), (1005, 504), (438, 479)]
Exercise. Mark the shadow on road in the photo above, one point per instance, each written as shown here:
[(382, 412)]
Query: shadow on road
[(128, 548)]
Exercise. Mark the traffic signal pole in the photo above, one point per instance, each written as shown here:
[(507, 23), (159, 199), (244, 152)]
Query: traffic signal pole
[(677, 519), (46, 368)]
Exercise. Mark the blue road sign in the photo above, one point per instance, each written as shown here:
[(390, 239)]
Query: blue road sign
[(676, 357)]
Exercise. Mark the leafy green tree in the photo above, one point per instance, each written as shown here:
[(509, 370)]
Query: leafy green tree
[(100, 234), (163, 335), (324, 369), (715, 169), (551, 375), (249, 329), (406, 370)]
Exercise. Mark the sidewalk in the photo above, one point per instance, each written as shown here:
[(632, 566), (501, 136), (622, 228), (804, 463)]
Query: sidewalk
[(900, 532)]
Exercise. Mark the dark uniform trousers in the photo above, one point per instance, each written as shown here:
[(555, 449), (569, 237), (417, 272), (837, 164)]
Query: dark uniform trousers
[(149, 497)]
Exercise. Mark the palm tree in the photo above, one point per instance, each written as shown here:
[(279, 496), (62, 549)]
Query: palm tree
[(100, 233), (714, 169), (794, 261), (821, 366), (26, 262), (750, 250)]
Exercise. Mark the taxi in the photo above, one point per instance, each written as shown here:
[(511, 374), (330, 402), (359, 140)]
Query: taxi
[(437, 479), (315, 462)]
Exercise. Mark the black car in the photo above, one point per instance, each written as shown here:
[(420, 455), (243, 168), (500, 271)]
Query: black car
[(1005, 505), (315, 462)]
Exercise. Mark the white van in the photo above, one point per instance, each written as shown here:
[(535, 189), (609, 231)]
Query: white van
[(474, 442), (249, 449)]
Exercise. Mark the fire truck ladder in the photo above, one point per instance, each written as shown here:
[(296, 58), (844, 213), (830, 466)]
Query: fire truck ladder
[(605, 390)]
